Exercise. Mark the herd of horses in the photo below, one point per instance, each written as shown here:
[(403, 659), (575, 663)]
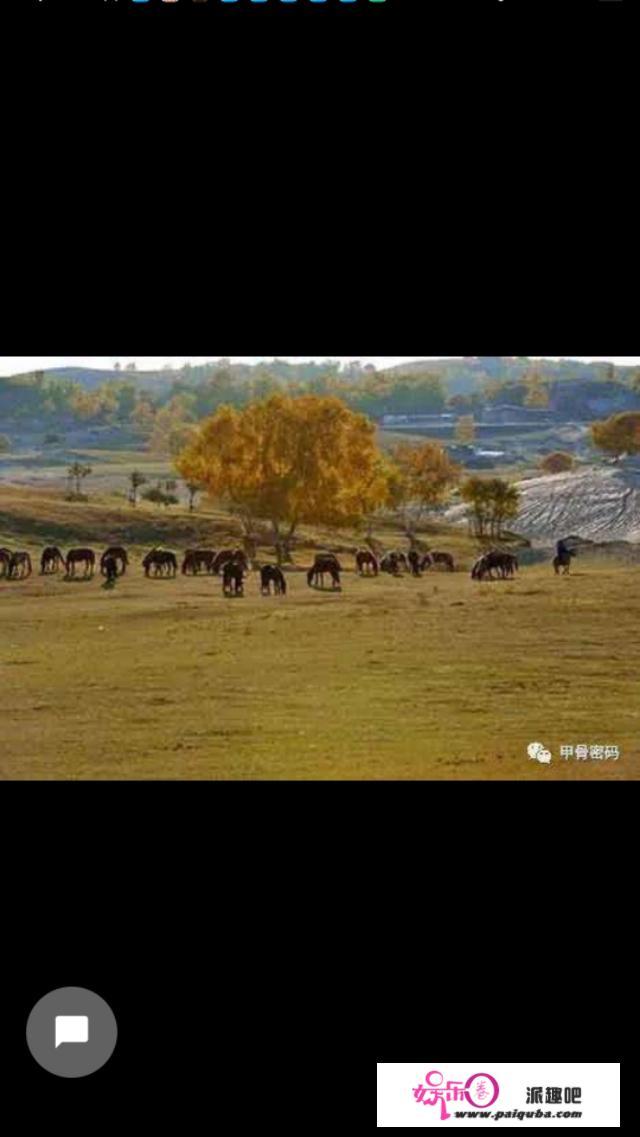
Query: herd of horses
[(233, 565)]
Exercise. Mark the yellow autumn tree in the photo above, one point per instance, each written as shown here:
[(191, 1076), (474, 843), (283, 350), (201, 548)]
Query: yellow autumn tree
[(537, 391), (94, 405), (465, 431), (290, 461), (619, 434), (426, 475)]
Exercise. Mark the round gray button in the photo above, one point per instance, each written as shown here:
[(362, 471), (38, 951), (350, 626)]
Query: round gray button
[(71, 1032)]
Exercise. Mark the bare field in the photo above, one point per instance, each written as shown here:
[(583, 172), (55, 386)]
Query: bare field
[(441, 677)]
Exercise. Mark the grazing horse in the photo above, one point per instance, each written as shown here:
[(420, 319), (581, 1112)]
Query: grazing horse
[(76, 556), (20, 561), (484, 566), (508, 564), (479, 568), (505, 563), (109, 567), (51, 560), (232, 579), (415, 565), (80, 556), (194, 559), (5, 561), (119, 554), (436, 558), (365, 560), (324, 562), (271, 574), (161, 559), (390, 563), (227, 555)]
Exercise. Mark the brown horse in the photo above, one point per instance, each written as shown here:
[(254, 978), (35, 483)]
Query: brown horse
[(195, 559), (52, 559), (161, 559), (233, 579), (20, 561), (435, 558), (271, 574), (504, 563), (119, 554), (324, 563), (366, 562), (80, 556), (226, 555)]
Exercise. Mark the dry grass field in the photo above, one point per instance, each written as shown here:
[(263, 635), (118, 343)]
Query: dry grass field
[(440, 677)]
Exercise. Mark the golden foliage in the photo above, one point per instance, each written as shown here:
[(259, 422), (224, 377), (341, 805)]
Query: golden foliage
[(557, 463), (171, 427), (426, 473), (618, 434), (465, 429), (307, 459)]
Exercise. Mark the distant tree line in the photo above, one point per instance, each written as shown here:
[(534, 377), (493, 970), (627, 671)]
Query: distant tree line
[(163, 415)]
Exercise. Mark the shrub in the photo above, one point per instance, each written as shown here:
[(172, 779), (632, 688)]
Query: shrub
[(557, 463)]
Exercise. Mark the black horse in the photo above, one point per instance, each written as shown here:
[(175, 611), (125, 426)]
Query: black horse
[(233, 579), (271, 574), (51, 560), (119, 555), (562, 559), (109, 568), (415, 563), (161, 559), (390, 563)]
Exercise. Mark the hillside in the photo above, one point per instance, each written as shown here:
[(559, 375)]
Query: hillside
[(601, 503), (469, 374), (460, 376)]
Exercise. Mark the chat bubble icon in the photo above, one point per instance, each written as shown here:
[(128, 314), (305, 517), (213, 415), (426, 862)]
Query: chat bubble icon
[(539, 752), (72, 1028)]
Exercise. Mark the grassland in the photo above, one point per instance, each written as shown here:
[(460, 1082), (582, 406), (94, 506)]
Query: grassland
[(439, 678)]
